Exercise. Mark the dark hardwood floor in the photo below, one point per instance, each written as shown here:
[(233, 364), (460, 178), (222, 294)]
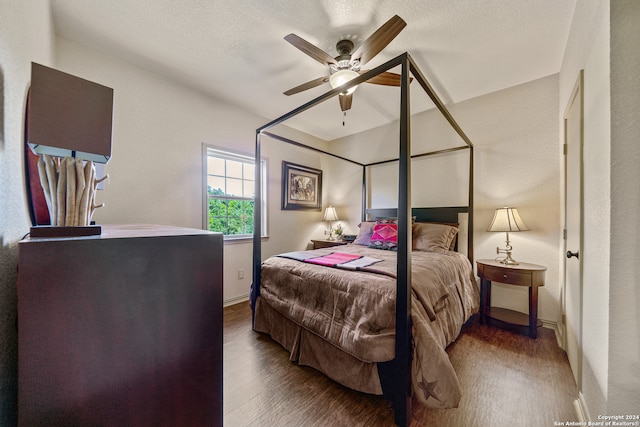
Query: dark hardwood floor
[(507, 380)]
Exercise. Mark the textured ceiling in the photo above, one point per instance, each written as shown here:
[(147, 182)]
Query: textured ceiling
[(234, 50)]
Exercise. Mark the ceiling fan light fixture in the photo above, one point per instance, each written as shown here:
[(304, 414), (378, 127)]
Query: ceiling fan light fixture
[(341, 77)]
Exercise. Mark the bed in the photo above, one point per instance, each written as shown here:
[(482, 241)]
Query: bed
[(334, 310), (393, 365)]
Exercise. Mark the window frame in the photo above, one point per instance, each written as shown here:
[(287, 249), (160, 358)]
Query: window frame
[(231, 154)]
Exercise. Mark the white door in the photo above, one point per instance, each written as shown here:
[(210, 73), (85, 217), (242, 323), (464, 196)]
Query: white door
[(572, 295)]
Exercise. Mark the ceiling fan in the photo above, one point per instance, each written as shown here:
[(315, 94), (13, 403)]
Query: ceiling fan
[(346, 65)]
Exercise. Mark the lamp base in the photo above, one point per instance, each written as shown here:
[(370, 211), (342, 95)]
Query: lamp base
[(64, 231), (507, 260)]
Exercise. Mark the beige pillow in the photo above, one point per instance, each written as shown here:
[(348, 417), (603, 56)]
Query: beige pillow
[(364, 233), (432, 237)]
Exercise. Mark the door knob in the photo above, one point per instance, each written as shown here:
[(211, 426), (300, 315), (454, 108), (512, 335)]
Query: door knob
[(575, 254)]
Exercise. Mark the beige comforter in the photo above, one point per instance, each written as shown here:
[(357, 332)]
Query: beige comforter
[(355, 310)]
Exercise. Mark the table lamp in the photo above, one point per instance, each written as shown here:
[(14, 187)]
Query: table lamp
[(330, 215), (507, 219), (69, 125)]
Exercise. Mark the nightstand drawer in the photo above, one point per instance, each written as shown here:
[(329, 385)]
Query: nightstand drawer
[(511, 277)]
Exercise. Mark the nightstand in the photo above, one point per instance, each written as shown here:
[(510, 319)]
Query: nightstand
[(320, 244), (523, 274)]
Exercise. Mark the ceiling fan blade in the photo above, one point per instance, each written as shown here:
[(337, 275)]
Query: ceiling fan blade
[(315, 52), (345, 101), (378, 40), (307, 85), (386, 78)]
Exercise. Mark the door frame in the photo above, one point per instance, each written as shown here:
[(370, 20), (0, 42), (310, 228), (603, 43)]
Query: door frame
[(577, 95)]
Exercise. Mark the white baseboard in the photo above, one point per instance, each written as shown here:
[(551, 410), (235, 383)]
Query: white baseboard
[(581, 409), (548, 324), (235, 300), (556, 329), (579, 404)]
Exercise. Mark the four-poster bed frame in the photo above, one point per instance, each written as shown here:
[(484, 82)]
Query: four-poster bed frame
[(397, 371)]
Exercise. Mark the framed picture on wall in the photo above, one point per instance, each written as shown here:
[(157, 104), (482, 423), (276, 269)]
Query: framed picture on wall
[(301, 187)]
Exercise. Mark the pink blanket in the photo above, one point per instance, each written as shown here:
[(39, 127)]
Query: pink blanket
[(342, 260), (333, 259)]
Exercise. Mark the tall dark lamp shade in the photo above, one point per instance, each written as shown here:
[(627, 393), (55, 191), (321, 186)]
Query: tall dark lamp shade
[(69, 126), (69, 116), (507, 220)]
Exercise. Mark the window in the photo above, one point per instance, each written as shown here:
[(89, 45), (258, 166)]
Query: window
[(230, 192)]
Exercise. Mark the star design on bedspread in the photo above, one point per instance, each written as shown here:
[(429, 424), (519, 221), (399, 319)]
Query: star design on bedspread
[(428, 389)]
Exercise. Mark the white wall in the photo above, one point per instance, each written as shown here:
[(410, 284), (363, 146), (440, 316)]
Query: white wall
[(588, 49), (517, 163), (156, 167), (158, 131), (428, 132), (624, 321), (25, 36)]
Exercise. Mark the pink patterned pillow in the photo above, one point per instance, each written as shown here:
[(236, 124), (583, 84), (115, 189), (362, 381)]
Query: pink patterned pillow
[(385, 235)]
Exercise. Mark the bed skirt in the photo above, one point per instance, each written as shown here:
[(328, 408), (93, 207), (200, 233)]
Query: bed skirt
[(307, 349)]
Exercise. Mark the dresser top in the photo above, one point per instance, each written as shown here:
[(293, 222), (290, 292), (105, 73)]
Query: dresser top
[(124, 231)]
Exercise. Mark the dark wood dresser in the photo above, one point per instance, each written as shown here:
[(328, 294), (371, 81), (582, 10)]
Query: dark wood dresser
[(121, 329)]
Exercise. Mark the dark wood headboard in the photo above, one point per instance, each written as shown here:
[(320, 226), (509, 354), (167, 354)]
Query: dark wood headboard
[(442, 214)]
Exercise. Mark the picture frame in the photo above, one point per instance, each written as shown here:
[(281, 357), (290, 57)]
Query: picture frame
[(301, 187)]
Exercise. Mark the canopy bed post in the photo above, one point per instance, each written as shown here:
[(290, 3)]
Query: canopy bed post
[(363, 215), (470, 214), (402, 392), (257, 229)]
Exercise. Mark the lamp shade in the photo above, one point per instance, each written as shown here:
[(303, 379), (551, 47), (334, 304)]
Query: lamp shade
[(330, 214), (507, 219), (69, 116), (341, 77)]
